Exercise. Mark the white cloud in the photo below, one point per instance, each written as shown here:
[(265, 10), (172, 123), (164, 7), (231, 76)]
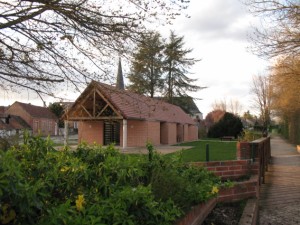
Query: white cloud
[(217, 32)]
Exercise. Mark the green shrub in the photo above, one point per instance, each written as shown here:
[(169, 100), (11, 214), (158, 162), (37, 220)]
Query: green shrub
[(96, 185)]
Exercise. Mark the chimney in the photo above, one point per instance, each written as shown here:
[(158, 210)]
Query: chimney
[(120, 81)]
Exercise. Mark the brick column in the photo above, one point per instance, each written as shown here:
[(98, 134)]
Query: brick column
[(243, 150)]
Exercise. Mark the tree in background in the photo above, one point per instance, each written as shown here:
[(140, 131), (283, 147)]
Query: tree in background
[(228, 125), (279, 32), (262, 93), (285, 80), (233, 106), (47, 43), (213, 117), (147, 66), (57, 109), (176, 68)]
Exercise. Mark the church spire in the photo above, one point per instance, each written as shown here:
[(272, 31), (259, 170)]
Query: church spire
[(120, 81)]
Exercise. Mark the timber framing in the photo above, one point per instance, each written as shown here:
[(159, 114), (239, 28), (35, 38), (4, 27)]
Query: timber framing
[(92, 105)]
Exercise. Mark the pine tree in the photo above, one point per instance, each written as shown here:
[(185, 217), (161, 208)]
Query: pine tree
[(176, 68), (146, 71)]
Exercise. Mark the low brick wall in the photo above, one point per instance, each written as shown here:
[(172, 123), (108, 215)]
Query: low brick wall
[(241, 190), (198, 213), (232, 170)]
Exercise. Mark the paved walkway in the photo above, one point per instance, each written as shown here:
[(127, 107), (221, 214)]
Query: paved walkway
[(279, 201)]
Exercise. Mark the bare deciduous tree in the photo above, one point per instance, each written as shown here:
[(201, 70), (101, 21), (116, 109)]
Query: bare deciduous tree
[(261, 90), (45, 42), (233, 106), (279, 33)]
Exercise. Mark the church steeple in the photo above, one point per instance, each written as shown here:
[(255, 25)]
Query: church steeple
[(120, 81)]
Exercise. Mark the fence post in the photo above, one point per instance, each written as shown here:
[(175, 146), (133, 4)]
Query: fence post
[(207, 152)]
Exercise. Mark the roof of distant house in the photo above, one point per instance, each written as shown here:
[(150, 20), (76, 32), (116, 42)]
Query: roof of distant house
[(134, 106), (2, 109), (185, 102), (36, 111), (12, 122)]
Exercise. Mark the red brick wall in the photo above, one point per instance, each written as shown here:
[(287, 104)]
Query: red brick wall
[(90, 132), (193, 132), (168, 133), (136, 133), (139, 132), (186, 132), (180, 132), (154, 132), (164, 136), (45, 126), (232, 169), (15, 109), (241, 190)]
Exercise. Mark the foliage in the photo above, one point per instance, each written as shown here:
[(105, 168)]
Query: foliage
[(146, 72), (44, 43), (58, 110), (213, 117), (218, 150), (176, 68), (229, 125), (162, 66), (95, 185), (286, 104), (250, 135)]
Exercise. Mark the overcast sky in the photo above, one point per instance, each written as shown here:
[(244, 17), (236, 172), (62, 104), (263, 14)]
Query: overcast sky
[(218, 32)]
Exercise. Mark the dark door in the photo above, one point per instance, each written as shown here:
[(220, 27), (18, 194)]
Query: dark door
[(111, 133)]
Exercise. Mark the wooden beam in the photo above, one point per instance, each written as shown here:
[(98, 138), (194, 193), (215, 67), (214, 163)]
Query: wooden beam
[(94, 103), (111, 106), (95, 118), (86, 110), (102, 110)]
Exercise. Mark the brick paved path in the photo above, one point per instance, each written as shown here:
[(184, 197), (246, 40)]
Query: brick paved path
[(279, 201)]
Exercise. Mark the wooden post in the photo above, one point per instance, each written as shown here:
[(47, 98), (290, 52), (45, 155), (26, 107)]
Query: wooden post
[(66, 133), (124, 133)]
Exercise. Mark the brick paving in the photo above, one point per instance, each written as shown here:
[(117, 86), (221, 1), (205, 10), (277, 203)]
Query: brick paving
[(279, 202)]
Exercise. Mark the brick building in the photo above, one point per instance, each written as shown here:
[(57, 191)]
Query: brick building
[(107, 114), (11, 125), (40, 119)]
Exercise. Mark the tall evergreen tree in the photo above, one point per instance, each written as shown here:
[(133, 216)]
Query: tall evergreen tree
[(176, 67), (146, 71)]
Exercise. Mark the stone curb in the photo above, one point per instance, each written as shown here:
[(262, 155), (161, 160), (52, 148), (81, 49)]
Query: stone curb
[(250, 213)]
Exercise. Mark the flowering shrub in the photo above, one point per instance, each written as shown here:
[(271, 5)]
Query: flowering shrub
[(96, 185)]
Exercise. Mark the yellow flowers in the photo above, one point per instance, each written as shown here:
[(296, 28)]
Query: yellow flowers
[(79, 202), (215, 190)]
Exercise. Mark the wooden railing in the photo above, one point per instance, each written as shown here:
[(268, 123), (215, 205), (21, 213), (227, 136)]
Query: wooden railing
[(261, 150)]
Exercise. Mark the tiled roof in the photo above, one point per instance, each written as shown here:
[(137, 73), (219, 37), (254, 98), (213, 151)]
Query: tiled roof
[(15, 123), (2, 109), (135, 106), (37, 111), (185, 102)]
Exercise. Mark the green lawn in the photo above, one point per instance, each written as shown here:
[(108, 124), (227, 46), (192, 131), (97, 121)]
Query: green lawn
[(218, 150)]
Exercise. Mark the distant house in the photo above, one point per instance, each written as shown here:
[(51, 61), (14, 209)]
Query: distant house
[(11, 125), (107, 114), (40, 119), (188, 105)]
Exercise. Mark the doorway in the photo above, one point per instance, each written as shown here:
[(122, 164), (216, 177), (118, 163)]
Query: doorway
[(111, 133)]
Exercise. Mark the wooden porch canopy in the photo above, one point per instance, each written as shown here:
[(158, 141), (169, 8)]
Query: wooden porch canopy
[(92, 104)]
